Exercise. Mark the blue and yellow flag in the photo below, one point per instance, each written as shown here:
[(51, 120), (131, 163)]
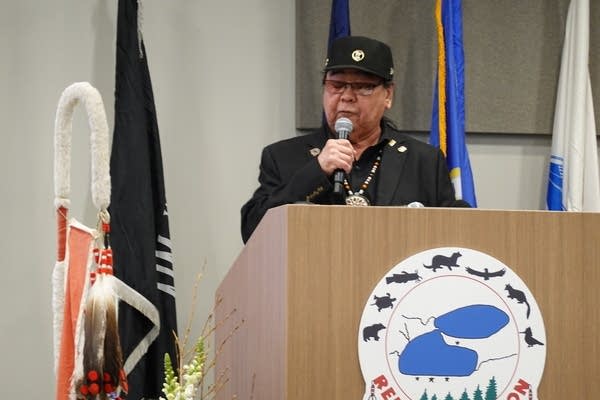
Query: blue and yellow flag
[(448, 116), (339, 24)]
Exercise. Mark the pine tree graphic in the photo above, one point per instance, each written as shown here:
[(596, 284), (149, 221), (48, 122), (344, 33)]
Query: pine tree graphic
[(478, 395), (491, 393), (465, 396), (424, 397), (448, 397)]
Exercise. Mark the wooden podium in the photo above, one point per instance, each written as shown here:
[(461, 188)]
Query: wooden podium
[(302, 281)]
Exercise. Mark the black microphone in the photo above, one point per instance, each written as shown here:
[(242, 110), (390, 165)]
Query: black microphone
[(343, 128)]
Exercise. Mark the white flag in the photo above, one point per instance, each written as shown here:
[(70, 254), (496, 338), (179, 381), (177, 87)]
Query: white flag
[(574, 183)]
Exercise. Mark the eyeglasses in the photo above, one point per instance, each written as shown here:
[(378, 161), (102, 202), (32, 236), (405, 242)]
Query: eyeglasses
[(360, 88)]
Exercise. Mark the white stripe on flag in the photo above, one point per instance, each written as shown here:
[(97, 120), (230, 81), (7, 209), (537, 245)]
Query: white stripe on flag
[(164, 241), (164, 270), (168, 289), (164, 255)]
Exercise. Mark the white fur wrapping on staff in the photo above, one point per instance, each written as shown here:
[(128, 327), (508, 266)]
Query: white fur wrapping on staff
[(71, 96), (58, 305)]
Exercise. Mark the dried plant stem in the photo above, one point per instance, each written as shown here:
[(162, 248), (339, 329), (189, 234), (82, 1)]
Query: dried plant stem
[(206, 329), (253, 386), (221, 378), (188, 327), (219, 383), (196, 356), (219, 349), (217, 324)]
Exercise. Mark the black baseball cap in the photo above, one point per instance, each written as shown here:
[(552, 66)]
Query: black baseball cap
[(361, 53)]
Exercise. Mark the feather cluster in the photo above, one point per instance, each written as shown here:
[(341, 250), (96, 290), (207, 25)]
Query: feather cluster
[(102, 375)]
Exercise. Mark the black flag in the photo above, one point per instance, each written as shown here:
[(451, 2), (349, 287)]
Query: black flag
[(139, 221)]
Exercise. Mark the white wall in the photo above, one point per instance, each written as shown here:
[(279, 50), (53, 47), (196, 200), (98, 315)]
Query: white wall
[(223, 76), (510, 171)]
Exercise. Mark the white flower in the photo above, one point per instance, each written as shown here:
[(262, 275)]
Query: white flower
[(190, 390)]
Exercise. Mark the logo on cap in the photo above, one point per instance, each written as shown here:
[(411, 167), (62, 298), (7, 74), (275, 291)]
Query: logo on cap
[(358, 55)]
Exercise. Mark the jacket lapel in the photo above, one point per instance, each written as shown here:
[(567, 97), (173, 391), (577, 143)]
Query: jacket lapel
[(393, 159), (315, 142)]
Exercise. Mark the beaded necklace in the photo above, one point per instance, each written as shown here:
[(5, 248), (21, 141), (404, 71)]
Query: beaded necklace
[(359, 199)]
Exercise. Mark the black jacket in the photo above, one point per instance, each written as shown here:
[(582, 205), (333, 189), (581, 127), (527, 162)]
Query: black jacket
[(410, 170)]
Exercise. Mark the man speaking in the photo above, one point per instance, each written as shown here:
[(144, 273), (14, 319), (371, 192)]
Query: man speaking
[(357, 157)]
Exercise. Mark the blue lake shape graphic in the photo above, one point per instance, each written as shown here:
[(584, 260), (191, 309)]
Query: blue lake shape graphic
[(477, 321), (430, 355)]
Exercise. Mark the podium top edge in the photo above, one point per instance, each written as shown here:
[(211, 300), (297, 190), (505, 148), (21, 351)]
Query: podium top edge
[(495, 210)]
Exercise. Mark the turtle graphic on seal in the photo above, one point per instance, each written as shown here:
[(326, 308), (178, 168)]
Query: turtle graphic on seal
[(386, 301)]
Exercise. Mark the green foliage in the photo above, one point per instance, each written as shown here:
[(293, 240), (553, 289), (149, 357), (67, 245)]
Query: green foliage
[(171, 384)]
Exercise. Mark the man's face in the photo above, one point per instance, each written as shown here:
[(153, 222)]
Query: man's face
[(365, 111)]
